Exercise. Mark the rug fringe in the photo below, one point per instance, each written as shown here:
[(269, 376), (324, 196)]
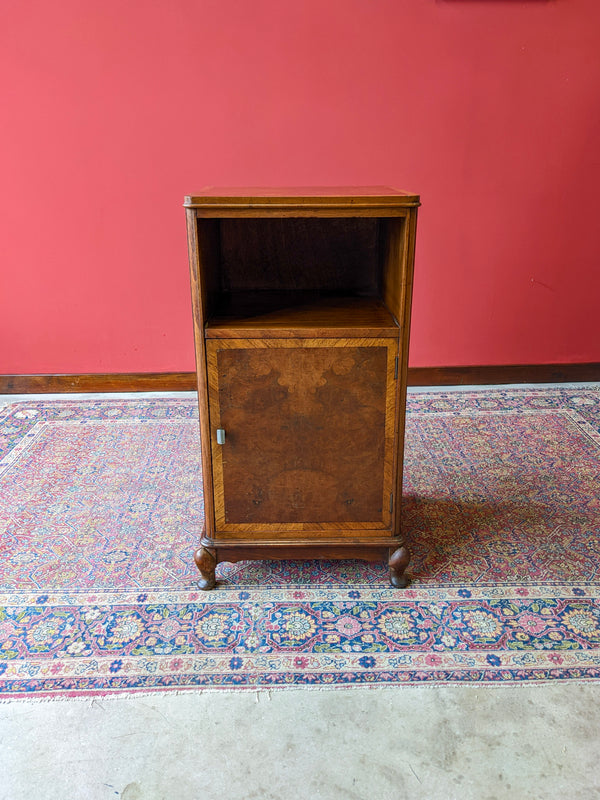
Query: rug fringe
[(262, 692)]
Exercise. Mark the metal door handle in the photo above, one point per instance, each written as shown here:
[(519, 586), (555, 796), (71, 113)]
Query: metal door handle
[(220, 435)]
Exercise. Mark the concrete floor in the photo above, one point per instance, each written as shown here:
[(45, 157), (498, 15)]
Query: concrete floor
[(455, 742), (530, 741)]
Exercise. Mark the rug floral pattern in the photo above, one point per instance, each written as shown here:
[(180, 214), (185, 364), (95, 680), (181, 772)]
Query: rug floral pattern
[(100, 512)]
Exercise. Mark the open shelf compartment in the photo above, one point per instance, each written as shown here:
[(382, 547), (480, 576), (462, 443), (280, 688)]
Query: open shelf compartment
[(320, 276)]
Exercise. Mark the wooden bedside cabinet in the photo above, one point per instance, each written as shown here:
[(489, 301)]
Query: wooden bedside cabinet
[(301, 303)]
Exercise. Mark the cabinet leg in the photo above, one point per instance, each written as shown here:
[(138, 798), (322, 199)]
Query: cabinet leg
[(398, 563), (206, 561)]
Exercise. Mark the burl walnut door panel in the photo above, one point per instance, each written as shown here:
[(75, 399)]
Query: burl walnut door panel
[(309, 431)]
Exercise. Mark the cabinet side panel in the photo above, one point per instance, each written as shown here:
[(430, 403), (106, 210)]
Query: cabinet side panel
[(394, 250), (404, 320), (209, 257), (199, 257)]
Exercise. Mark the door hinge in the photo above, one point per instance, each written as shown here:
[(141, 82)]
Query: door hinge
[(391, 502), (396, 369)]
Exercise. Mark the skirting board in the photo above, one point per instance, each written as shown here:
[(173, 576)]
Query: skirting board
[(186, 381)]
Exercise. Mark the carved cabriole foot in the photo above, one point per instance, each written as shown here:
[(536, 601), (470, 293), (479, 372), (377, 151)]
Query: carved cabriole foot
[(206, 561), (398, 563)]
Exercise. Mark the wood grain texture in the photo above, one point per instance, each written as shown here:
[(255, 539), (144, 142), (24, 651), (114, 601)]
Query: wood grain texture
[(309, 433), (205, 559), (305, 539), (244, 551), (398, 562), (111, 382), (207, 241), (269, 194), (393, 248), (404, 268), (222, 198), (186, 381), (491, 374), (298, 315), (307, 211), (331, 254), (201, 254)]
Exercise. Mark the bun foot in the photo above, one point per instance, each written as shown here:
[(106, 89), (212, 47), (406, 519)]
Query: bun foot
[(206, 561), (398, 563)]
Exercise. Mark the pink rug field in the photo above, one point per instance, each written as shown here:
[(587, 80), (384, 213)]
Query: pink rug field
[(101, 510)]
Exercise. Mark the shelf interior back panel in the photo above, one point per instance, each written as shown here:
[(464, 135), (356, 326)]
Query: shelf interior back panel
[(340, 255)]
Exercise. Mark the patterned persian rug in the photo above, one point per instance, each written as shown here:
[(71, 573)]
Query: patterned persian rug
[(100, 512)]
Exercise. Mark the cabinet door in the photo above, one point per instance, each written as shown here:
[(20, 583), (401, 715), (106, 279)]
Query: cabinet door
[(307, 431)]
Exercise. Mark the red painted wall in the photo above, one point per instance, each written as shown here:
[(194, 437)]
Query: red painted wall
[(112, 111)]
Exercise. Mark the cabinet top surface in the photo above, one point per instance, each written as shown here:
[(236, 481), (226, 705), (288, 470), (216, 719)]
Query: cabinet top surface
[(306, 195)]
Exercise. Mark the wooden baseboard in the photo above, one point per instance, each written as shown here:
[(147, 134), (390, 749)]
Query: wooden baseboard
[(186, 381), (133, 382), (505, 373)]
